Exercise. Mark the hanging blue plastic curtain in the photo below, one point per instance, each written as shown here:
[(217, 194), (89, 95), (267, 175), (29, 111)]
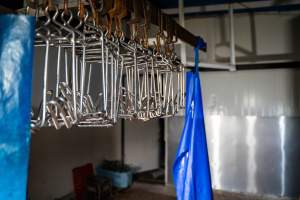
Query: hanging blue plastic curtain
[(191, 171), (16, 54)]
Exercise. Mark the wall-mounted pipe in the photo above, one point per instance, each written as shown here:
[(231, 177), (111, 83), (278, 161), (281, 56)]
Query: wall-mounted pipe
[(181, 22), (240, 67), (232, 39), (211, 66), (277, 8), (232, 65)]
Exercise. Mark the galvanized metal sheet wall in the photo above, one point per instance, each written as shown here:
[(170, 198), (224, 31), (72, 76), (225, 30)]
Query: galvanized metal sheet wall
[(260, 93), (252, 124)]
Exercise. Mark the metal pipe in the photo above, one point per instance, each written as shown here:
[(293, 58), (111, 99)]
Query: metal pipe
[(277, 8), (232, 39), (181, 22), (58, 70), (74, 78), (82, 82), (182, 45), (89, 79), (135, 83), (66, 67), (210, 65), (42, 121)]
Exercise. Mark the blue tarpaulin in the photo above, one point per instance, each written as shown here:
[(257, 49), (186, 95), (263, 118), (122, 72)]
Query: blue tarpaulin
[(16, 54), (191, 167)]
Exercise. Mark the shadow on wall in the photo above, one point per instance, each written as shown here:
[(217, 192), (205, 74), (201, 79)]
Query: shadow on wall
[(295, 30), (252, 55), (292, 188)]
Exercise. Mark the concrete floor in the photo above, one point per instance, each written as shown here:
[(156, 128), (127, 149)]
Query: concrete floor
[(159, 192), (138, 194), (144, 191)]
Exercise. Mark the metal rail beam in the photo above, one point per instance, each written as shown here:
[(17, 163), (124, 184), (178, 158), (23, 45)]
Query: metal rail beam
[(276, 8), (5, 10), (256, 66), (155, 17)]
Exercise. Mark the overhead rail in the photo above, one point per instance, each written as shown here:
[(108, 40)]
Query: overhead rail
[(261, 9), (136, 6)]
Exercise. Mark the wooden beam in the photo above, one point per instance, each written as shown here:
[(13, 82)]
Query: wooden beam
[(12, 4), (136, 6), (168, 21), (4, 10)]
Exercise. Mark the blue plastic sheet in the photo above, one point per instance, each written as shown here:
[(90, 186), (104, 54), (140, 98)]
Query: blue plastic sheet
[(16, 54), (191, 167)]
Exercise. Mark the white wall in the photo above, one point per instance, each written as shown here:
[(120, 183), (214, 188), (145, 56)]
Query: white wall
[(142, 140), (55, 153), (261, 37)]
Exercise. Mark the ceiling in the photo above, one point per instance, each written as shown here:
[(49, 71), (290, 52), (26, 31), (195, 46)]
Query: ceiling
[(12, 4), (15, 4), (189, 3)]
